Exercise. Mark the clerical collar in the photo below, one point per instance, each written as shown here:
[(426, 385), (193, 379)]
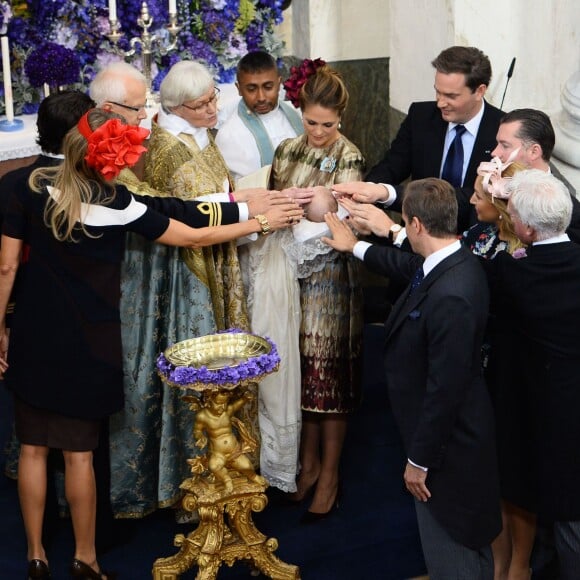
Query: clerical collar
[(175, 125), (473, 124)]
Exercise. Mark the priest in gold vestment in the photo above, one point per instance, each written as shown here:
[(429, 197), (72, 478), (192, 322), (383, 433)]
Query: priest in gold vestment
[(175, 295)]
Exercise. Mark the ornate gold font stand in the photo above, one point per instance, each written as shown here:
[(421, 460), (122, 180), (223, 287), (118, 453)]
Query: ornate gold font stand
[(225, 490)]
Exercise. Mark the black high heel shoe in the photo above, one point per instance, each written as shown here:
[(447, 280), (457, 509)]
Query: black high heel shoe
[(293, 500), (82, 571), (38, 570), (313, 517)]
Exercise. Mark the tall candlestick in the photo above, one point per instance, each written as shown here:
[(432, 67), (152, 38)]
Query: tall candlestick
[(112, 9), (172, 6), (8, 100)]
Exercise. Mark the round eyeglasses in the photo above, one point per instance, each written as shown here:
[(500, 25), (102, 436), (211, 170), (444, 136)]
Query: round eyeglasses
[(202, 106)]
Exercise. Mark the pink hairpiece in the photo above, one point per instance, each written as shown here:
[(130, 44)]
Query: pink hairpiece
[(493, 183)]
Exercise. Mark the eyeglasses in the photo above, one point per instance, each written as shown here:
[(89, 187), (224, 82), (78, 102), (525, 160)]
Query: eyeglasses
[(204, 105), (128, 107)]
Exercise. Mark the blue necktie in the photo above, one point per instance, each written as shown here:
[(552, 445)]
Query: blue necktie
[(453, 167), (417, 279)]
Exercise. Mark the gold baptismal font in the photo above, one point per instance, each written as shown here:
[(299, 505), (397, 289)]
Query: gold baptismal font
[(224, 488)]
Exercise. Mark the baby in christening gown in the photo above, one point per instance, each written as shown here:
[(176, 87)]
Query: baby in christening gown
[(275, 263), (310, 229), (322, 202)]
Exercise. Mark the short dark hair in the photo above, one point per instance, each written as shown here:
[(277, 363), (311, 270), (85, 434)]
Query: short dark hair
[(434, 203), (255, 62), (535, 127), (57, 114), (466, 60)]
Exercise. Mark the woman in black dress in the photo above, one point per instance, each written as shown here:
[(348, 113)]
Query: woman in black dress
[(64, 366)]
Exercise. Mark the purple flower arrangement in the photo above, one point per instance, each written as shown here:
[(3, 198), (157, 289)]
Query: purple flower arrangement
[(251, 369), (52, 64), (215, 32)]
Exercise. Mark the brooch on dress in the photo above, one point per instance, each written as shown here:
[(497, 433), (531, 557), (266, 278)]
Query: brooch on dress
[(328, 164)]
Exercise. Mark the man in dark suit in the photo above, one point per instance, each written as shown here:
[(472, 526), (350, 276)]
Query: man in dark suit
[(427, 135), (539, 297), (531, 134), (433, 371)]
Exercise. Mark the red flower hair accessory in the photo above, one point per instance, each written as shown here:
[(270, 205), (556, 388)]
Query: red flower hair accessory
[(112, 146), (298, 76)]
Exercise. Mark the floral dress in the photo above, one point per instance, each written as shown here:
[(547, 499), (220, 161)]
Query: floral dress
[(483, 240)]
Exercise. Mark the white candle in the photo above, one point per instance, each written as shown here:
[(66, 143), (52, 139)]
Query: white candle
[(8, 101), (46, 90), (172, 6), (112, 9)]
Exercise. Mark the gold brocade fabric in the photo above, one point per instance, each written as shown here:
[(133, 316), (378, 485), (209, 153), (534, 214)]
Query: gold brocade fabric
[(330, 296), (178, 167)]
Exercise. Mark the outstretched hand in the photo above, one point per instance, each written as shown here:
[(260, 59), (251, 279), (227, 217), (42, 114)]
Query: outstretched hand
[(362, 191), (261, 201), (284, 215), (366, 218), (301, 195), (343, 238), (246, 194)]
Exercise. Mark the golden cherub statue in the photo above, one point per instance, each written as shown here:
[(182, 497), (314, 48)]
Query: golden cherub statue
[(225, 451)]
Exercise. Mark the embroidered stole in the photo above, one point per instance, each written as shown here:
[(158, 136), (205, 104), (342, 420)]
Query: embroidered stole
[(256, 127)]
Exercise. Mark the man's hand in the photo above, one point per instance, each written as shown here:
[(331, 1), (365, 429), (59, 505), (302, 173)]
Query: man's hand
[(367, 218), (415, 482), (362, 191), (343, 238), (301, 195), (245, 195), (260, 202)]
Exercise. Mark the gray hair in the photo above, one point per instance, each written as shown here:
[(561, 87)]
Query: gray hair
[(541, 201), (110, 83), (186, 80)]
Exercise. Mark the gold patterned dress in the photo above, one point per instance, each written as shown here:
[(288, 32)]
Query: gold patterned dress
[(330, 295), (168, 295)]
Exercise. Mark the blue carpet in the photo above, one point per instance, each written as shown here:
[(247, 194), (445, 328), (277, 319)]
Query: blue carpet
[(373, 535)]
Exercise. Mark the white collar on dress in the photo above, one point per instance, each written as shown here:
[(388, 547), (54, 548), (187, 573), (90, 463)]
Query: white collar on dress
[(175, 125)]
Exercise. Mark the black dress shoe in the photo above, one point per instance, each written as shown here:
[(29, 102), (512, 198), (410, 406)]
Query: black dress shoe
[(82, 571), (313, 517), (38, 570)]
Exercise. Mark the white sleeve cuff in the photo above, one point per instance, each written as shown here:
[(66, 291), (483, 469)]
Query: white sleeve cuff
[(418, 466), (391, 195), (401, 237), (244, 212), (360, 249)]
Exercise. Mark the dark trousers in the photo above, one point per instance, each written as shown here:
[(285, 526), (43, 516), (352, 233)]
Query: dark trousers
[(446, 558)]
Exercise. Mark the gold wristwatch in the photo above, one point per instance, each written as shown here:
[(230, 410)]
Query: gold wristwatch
[(263, 221)]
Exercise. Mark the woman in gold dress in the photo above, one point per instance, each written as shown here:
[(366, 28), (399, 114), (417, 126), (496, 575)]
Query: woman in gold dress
[(330, 296)]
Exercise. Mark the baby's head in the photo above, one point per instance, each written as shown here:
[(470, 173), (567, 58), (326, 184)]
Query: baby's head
[(322, 202)]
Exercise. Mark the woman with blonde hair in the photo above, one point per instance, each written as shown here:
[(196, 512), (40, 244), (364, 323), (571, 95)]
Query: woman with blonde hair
[(495, 233), (64, 363), (494, 230)]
